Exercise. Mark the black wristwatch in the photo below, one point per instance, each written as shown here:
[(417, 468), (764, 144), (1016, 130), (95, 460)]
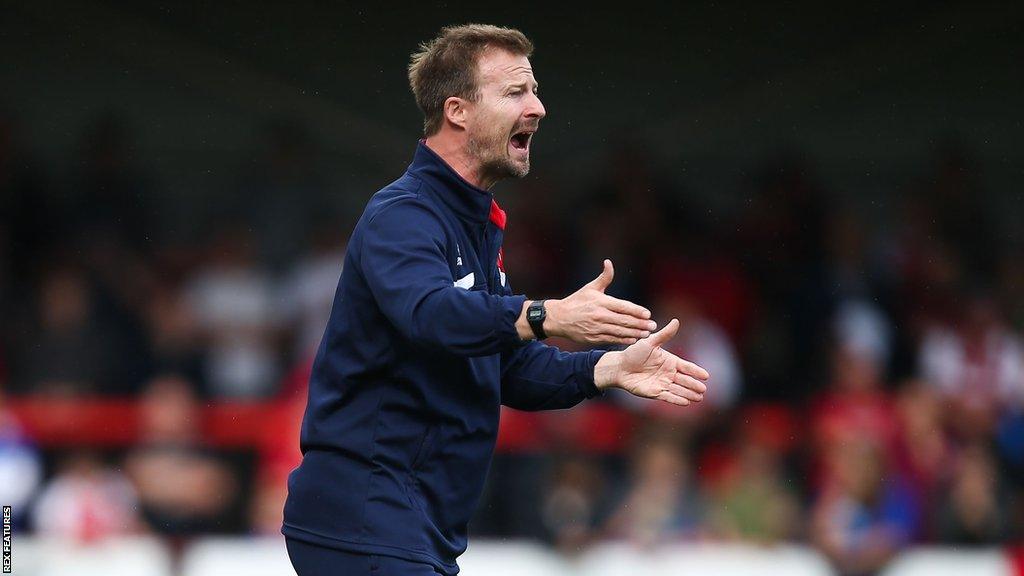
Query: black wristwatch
[(535, 315)]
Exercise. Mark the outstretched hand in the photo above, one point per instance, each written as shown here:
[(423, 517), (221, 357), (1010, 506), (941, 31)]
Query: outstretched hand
[(645, 369), (590, 316)]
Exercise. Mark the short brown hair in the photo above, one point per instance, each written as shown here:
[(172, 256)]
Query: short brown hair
[(446, 66)]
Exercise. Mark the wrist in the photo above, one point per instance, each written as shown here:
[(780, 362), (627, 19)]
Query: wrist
[(606, 371), (552, 308), (523, 325)]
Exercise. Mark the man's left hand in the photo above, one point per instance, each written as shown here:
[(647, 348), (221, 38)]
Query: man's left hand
[(645, 369)]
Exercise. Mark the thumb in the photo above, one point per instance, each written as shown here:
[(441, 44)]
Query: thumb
[(604, 279), (665, 334)]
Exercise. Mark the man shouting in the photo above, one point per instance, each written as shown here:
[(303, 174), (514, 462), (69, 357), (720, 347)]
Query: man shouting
[(427, 340)]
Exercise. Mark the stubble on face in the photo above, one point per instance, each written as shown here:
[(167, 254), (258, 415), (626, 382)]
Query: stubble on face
[(489, 140), (489, 147)]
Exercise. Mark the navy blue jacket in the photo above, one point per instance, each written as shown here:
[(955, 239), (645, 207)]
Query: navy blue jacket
[(420, 352)]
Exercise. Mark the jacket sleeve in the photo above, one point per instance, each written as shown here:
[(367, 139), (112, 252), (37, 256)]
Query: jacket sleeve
[(402, 257), (536, 376)]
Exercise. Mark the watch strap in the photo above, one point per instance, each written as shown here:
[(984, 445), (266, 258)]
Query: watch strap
[(535, 316)]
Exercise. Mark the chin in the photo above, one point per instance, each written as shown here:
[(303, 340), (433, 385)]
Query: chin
[(519, 169), (508, 168)]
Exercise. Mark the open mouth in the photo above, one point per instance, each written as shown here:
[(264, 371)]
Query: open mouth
[(521, 140)]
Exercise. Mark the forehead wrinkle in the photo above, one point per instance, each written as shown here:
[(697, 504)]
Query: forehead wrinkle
[(505, 72), (518, 73), (517, 69)]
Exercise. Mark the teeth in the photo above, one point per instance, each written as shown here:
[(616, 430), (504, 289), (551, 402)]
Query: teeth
[(521, 140)]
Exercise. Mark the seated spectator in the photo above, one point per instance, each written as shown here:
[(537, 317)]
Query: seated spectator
[(184, 488), (974, 508), (865, 514), (233, 301), (571, 505), (662, 503), (855, 406), (751, 500), (922, 452), (174, 336), (68, 351), (977, 363), (86, 501)]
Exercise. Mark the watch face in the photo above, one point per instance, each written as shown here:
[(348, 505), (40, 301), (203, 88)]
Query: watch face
[(534, 314)]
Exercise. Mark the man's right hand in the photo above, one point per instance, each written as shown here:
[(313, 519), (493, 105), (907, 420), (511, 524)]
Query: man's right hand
[(592, 317)]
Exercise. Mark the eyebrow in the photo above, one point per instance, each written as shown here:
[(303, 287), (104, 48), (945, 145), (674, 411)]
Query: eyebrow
[(522, 84)]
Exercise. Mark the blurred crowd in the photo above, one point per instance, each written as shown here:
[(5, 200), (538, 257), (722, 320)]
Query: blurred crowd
[(867, 389)]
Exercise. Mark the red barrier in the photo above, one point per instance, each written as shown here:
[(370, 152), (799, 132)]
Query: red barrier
[(58, 423), (61, 423)]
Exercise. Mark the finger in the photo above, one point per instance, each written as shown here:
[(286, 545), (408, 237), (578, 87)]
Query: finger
[(629, 309), (689, 382), (604, 279), (685, 392), (672, 398), (665, 334), (691, 369), (617, 331), (633, 322), (612, 339), (622, 333)]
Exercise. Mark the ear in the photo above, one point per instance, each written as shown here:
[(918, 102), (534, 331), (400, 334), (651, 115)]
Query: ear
[(456, 111)]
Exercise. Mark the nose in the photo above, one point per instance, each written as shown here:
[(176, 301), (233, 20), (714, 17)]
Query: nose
[(535, 108)]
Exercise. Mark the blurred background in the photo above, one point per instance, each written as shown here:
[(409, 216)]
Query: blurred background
[(827, 195)]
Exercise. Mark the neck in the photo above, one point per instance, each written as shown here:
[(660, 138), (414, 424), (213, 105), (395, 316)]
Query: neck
[(454, 150)]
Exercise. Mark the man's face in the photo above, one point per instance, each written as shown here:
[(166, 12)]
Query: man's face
[(505, 116)]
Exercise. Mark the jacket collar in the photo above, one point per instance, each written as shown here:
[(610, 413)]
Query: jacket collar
[(466, 200)]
